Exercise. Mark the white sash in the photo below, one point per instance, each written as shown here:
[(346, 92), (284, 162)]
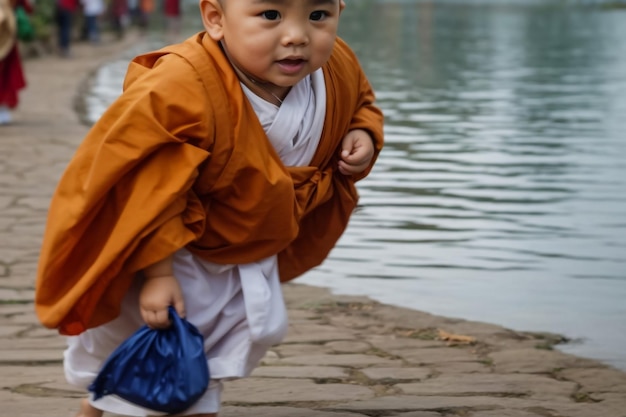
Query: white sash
[(294, 128)]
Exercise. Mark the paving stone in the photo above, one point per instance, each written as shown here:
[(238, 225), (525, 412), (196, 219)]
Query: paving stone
[(6, 222), (403, 403), (297, 349), (18, 282), (25, 318), (412, 319), (598, 380), (418, 414), (16, 295), (9, 331), (505, 413), (40, 332), (61, 387), (13, 376), (50, 343), (605, 408), (34, 203), (12, 309), (9, 255), (316, 333), (362, 323), (461, 368), (280, 412), (6, 201), (20, 405), (348, 347), (490, 384), (30, 356), (392, 343), (269, 390), (351, 360), (313, 372), (303, 316), (23, 240), (435, 355), (616, 400), (27, 268), (530, 361), (396, 374), (271, 355)]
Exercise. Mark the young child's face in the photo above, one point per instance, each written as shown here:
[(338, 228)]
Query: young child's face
[(277, 41)]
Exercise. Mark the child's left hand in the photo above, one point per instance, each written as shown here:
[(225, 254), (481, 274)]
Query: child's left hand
[(357, 151)]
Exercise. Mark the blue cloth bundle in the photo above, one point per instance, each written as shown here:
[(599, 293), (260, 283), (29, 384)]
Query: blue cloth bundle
[(162, 370)]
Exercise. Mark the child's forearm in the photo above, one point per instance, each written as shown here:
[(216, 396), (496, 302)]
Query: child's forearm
[(160, 269)]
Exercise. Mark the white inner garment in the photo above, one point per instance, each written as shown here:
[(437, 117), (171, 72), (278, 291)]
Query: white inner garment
[(294, 128)]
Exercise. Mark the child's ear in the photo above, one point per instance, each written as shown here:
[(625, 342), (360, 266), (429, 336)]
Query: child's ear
[(212, 14), (342, 5)]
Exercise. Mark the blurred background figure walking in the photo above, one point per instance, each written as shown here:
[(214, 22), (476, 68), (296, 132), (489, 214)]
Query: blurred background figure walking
[(140, 11), (92, 10), (119, 17), (12, 78), (172, 12), (65, 10)]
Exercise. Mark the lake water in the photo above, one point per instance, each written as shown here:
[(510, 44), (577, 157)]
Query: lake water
[(501, 193)]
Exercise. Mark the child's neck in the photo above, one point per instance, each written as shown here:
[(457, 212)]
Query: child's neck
[(263, 89)]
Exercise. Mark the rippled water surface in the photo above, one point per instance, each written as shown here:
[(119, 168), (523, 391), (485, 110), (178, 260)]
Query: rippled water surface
[(501, 193)]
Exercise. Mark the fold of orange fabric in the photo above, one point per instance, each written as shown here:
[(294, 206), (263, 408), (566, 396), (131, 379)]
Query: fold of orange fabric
[(180, 160)]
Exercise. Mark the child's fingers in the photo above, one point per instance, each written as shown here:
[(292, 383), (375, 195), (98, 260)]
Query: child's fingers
[(156, 319), (349, 169), (343, 168), (179, 306)]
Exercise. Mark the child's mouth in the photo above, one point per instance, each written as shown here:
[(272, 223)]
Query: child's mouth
[(291, 66)]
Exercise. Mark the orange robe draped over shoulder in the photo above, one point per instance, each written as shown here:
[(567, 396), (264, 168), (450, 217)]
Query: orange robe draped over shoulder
[(181, 160)]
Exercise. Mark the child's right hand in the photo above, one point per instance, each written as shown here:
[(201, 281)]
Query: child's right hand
[(357, 151), (156, 295)]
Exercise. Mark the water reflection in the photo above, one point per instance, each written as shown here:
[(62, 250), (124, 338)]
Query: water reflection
[(501, 193)]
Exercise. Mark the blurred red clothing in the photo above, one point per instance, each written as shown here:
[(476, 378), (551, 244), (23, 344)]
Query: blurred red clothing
[(70, 5), (119, 8), (11, 78), (11, 74), (171, 7)]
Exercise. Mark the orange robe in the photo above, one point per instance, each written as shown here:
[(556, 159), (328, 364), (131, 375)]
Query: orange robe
[(181, 160)]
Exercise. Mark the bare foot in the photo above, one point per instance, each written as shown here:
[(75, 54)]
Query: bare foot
[(87, 410)]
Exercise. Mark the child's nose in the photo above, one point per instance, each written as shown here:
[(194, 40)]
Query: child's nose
[(295, 34)]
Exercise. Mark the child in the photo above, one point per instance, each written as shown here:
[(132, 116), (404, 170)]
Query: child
[(226, 167)]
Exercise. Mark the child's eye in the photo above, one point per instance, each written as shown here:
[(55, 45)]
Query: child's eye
[(318, 15), (271, 14)]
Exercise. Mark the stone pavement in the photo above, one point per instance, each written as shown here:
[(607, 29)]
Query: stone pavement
[(343, 357)]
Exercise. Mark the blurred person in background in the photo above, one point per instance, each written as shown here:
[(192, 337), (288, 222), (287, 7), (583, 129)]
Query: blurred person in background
[(12, 78), (119, 16), (140, 11), (92, 10), (65, 10), (146, 7), (171, 9)]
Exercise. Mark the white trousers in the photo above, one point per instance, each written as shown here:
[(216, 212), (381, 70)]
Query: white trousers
[(239, 309)]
